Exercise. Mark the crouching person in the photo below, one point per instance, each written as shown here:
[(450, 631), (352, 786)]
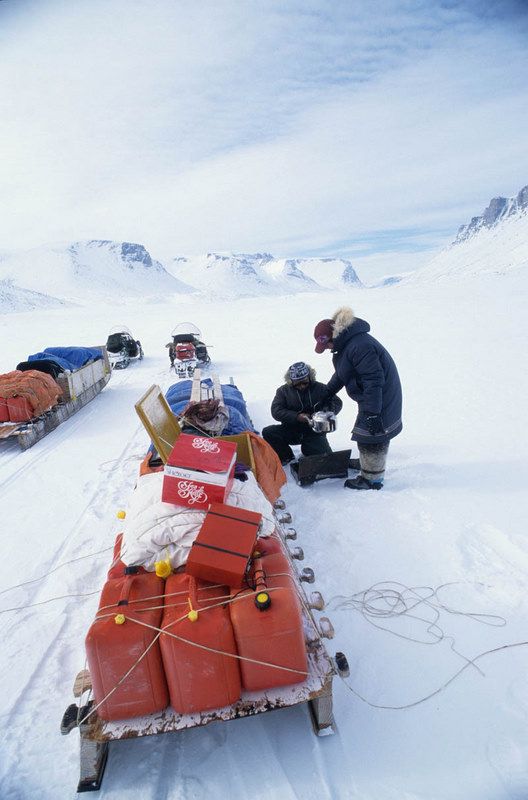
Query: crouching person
[(293, 405)]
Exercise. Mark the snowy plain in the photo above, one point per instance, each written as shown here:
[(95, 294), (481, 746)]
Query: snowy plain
[(451, 517)]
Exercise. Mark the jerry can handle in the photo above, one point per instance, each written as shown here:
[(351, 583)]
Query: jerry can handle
[(193, 592), (262, 596), (125, 591)]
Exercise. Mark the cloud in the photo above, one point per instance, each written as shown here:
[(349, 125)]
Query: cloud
[(281, 126)]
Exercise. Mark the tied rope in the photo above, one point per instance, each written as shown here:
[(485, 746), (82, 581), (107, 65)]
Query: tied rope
[(166, 632)]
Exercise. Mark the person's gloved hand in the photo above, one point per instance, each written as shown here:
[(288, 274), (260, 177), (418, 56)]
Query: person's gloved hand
[(374, 424), (303, 418)]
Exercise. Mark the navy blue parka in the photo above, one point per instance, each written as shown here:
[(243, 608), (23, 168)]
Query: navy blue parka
[(364, 367)]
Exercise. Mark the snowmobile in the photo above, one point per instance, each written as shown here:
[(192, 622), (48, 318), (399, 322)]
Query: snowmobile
[(122, 347), (187, 351)]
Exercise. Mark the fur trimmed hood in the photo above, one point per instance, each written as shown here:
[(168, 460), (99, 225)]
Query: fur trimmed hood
[(287, 378), (343, 318)]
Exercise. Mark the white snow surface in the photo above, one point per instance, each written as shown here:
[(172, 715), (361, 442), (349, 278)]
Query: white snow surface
[(451, 517)]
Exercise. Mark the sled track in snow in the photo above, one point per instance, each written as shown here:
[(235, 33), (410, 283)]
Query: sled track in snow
[(45, 449), (102, 491), (50, 443)]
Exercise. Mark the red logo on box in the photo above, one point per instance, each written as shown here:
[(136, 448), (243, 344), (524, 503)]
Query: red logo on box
[(199, 471)]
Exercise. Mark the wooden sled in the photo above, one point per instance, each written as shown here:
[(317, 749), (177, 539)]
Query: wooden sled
[(96, 735), (78, 388)]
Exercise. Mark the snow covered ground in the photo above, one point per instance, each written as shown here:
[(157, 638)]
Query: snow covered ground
[(449, 526)]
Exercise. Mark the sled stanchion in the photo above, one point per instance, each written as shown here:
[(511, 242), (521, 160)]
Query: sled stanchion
[(93, 761), (321, 711)]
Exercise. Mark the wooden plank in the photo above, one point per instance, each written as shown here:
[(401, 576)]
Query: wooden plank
[(8, 429), (159, 421), (196, 390), (83, 683), (317, 685)]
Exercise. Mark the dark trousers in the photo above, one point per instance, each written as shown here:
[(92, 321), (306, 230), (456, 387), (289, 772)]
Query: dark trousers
[(280, 437)]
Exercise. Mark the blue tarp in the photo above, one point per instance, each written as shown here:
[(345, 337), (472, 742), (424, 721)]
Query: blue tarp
[(68, 357), (179, 394)]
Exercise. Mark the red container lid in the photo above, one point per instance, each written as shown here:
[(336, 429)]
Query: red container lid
[(202, 453)]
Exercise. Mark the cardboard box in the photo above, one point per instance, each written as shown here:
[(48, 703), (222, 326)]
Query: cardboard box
[(199, 471), (222, 551)]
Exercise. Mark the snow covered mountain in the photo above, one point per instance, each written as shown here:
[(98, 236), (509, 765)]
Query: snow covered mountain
[(491, 244), (330, 273), (499, 209), (246, 275), (13, 298), (86, 271)]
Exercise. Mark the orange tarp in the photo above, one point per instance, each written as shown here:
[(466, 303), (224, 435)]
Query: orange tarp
[(270, 474), (38, 388)]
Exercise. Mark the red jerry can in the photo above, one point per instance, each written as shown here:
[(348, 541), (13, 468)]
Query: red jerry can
[(198, 679), (268, 627), (118, 567), (20, 409), (116, 644), (4, 411), (271, 551)]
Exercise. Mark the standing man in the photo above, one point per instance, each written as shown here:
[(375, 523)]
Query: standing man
[(367, 371), (293, 405)]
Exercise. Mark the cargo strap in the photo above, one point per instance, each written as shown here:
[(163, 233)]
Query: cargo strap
[(221, 550)]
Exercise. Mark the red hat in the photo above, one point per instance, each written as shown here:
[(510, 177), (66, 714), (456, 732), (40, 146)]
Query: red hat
[(323, 334)]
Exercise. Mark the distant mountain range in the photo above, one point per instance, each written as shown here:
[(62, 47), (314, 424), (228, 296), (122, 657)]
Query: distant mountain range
[(243, 275), (102, 270)]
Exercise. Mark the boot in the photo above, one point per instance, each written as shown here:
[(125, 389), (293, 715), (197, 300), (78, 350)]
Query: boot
[(361, 483), (354, 464)]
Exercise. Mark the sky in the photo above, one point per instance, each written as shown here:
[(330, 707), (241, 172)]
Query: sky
[(368, 130)]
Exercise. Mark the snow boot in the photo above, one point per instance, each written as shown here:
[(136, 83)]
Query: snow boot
[(354, 464), (361, 483)]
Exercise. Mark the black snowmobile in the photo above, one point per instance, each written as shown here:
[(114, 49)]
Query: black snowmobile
[(122, 348)]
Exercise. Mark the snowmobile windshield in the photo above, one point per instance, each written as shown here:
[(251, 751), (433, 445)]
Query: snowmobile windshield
[(186, 328), (120, 329)]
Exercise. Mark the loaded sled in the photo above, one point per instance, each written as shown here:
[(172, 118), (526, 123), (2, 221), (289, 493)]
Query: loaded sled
[(206, 652), (186, 350), (48, 389), (122, 348)]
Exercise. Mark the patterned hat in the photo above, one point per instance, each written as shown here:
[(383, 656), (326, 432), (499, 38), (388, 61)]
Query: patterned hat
[(299, 371)]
